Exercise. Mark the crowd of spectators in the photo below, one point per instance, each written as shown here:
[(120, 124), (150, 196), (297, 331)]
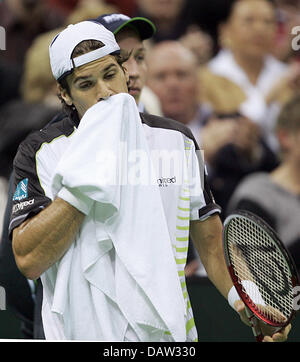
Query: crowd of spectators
[(225, 68)]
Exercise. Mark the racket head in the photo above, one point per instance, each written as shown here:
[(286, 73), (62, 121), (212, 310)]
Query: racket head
[(239, 245)]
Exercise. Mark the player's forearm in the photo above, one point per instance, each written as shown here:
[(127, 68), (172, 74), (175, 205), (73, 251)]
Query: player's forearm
[(207, 238), (217, 272), (41, 241)]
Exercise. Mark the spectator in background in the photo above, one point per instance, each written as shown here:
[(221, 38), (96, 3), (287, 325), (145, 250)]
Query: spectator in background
[(36, 107), (275, 196), (65, 7), (199, 42), (126, 7), (172, 75), (256, 82), (69, 8), (170, 17), (85, 10), (23, 20), (233, 149), (10, 76), (37, 85), (208, 15)]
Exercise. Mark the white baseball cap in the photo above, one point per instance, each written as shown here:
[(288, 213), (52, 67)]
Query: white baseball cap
[(64, 43)]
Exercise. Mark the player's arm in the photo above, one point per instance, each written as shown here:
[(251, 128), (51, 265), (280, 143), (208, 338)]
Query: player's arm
[(207, 238), (43, 239)]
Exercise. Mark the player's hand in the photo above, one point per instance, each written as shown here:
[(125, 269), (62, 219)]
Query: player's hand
[(270, 333)]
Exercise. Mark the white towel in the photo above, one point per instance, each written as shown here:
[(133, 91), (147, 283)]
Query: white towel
[(120, 272)]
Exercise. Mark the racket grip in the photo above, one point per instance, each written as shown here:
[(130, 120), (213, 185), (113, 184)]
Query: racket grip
[(254, 325)]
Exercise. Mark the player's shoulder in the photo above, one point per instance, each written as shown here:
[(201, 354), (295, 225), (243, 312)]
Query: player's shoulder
[(158, 122), (32, 143), (63, 127)]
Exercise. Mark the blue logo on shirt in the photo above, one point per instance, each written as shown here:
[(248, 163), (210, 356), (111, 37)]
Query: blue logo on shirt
[(21, 190)]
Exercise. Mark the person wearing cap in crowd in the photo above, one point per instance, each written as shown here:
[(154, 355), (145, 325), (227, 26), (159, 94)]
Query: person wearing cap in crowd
[(87, 63), (130, 34)]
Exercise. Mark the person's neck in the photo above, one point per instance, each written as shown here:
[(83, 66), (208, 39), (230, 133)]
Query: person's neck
[(287, 175), (252, 66)]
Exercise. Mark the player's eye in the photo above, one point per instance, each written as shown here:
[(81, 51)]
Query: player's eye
[(109, 75), (140, 57), (85, 85)]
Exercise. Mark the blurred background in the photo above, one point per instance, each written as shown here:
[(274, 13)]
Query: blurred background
[(225, 68)]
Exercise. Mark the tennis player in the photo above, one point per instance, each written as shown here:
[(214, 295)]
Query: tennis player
[(88, 66), (130, 34)]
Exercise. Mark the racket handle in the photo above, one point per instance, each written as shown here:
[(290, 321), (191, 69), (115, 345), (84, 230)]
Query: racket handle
[(254, 325)]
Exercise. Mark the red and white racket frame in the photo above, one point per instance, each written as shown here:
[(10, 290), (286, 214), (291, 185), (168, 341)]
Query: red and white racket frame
[(252, 311)]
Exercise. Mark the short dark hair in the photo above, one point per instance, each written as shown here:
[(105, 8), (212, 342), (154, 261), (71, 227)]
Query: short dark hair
[(84, 47), (289, 117)]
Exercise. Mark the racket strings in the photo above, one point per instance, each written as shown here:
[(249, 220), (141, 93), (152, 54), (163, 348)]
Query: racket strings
[(255, 257)]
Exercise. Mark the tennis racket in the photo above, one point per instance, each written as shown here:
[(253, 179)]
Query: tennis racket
[(262, 271)]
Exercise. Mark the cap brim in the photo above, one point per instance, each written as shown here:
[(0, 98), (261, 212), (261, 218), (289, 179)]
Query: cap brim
[(145, 27)]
